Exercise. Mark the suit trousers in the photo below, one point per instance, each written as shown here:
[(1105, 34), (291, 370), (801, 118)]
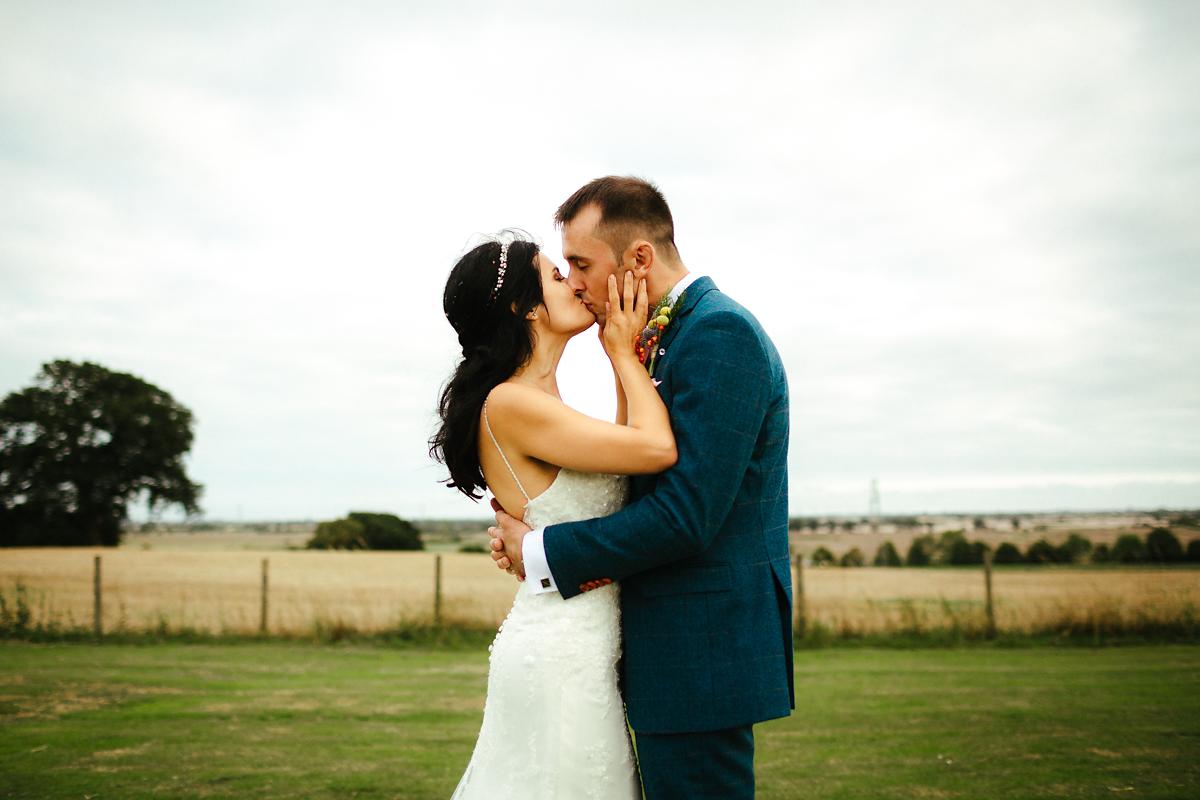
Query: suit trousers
[(689, 766)]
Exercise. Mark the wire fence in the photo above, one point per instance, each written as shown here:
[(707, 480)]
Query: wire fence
[(291, 593)]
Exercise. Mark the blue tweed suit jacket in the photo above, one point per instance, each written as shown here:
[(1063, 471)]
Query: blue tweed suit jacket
[(702, 551)]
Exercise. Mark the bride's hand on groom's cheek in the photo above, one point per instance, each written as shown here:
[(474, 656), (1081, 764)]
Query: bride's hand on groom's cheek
[(625, 315)]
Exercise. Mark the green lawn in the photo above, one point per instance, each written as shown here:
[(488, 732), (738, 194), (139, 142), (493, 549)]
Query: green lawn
[(278, 719)]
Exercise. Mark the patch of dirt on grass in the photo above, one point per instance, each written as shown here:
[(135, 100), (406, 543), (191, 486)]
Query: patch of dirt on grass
[(295, 705), (364, 703), (932, 792), (86, 697), (122, 751), (461, 668), (426, 704), (1105, 753), (68, 702), (219, 708), (10, 698)]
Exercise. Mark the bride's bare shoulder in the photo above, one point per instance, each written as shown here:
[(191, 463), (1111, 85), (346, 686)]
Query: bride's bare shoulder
[(520, 402)]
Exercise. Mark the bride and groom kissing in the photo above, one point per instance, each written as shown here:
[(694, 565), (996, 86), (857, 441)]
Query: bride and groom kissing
[(652, 551)]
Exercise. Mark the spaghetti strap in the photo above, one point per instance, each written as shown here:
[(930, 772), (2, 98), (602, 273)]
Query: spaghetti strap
[(511, 471)]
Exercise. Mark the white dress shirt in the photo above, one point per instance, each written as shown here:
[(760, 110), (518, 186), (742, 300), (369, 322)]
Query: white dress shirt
[(533, 550)]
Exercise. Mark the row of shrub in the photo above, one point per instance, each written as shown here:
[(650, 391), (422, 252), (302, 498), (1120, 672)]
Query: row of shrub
[(1187, 519), (361, 530), (1160, 546)]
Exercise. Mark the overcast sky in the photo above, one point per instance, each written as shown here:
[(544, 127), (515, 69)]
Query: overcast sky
[(971, 228)]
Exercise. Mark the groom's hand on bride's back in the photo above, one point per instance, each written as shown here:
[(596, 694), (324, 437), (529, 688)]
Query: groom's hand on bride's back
[(506, 547), (506, 541)]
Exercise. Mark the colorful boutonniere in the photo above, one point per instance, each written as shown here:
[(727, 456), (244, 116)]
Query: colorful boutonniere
[(646, 345)]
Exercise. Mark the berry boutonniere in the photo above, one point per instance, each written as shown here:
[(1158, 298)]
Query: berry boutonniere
[(646, 345)]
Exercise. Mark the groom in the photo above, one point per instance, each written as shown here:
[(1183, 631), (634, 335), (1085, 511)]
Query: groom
[(702, 551)]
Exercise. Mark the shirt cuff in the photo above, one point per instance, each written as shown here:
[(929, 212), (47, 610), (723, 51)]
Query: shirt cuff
[(537, 569)]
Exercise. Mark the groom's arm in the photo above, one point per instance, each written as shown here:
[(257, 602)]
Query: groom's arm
[(722, 378), (537, 571)]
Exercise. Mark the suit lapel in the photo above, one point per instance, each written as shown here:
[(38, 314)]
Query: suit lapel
[(691, 296), (644, 484)]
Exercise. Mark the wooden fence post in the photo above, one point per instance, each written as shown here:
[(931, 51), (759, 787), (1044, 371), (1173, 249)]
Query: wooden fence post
[(801, 624), (987, 579), (437, 589), (262, 619), (97, 627)]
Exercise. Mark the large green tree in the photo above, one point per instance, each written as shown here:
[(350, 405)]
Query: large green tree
[(81, 444)]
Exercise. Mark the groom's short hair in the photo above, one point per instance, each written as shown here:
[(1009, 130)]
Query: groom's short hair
[(629, 208)]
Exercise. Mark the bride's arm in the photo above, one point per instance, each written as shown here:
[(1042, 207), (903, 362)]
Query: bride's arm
[(542, 427), (644, 408), (622, 402)]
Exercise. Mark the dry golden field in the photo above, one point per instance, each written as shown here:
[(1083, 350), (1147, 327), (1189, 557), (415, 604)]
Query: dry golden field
[(219, 591)]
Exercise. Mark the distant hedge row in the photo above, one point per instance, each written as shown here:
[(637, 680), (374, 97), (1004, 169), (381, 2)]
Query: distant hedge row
[(1160, 546)]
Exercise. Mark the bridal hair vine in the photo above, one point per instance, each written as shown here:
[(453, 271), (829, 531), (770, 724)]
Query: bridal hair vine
[(500, 272)]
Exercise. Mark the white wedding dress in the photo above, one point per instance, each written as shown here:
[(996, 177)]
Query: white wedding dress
[(554, 723)]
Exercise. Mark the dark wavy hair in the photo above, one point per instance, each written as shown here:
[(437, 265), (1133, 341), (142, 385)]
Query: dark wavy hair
[(496, 340)]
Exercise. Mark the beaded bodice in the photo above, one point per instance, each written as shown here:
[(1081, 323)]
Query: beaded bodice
[(576, 495)]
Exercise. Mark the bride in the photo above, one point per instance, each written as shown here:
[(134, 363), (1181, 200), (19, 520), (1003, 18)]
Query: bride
[(553, 722)]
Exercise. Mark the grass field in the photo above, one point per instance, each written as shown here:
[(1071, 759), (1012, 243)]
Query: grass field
[(368, 592), (281, 720)]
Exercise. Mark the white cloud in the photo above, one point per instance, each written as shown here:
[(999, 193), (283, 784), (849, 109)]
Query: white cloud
[(968, 228)]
